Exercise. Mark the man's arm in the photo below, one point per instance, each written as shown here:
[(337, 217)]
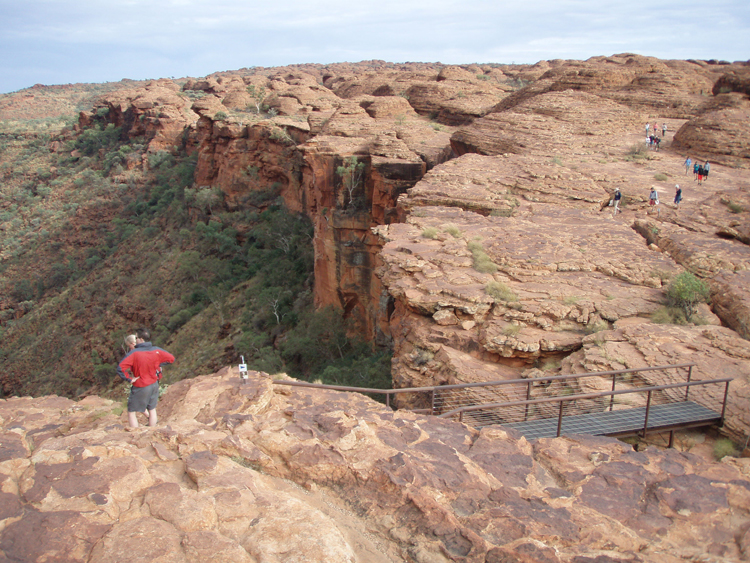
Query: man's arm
[(165, 357), (125, 365)]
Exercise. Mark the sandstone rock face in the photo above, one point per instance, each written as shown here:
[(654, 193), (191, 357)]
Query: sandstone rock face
[(736, 81), (719, 133), (263, 472), (156, 111), (480, 243)]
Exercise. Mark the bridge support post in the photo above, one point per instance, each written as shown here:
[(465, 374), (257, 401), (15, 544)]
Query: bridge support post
[(671, 439), (528, 397), (648, 408)]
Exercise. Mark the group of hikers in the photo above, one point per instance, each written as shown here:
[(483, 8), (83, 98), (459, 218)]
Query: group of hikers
[(653, 199), (700, 173), (652, 138), (141, 367)]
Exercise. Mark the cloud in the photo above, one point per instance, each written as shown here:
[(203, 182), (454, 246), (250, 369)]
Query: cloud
[(56, 41)]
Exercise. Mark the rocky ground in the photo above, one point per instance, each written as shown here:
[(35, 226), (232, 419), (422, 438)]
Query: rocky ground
[(269, 473)]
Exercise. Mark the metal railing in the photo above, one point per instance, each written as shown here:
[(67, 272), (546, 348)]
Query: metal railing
[(501, 402), (589, 403)]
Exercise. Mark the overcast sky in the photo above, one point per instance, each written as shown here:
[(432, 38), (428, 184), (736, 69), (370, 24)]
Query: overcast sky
[(67, 41)]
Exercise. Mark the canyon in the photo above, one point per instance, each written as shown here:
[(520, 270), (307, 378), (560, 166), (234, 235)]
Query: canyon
[(518, 162), (461, 218)]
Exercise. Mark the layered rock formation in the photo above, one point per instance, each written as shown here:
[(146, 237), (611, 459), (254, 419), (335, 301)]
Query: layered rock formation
[(478, 242), (479, 245), (269, 473)]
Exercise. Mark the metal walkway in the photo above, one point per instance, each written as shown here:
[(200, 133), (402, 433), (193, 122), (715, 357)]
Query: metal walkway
[(661, 418), (614, 403), (639, 401)]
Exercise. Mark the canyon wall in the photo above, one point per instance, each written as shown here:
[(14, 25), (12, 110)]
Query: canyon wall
[(478, 241)]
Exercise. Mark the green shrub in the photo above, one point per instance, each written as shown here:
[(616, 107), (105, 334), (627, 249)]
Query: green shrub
[(430, 232), (180, 318), (281, 135), (686, 291), (220, 116), (724, 447), (734, 207), (661, 177), (352, 174), (258, 94), (23, 291), (452, 230), (91, 140), (499, 291), (104, 373), (597, 326), (637, 152), (511, 330), (482, 262), (502, 212), (668, 316)]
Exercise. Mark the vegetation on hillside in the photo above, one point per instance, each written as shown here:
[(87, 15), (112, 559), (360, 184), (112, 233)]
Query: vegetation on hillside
[(93, 247), (684, 293)]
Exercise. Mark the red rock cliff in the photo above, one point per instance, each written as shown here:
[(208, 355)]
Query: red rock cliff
[(504, 261)]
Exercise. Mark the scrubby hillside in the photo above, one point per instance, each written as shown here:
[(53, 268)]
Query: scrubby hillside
[(100, 236)]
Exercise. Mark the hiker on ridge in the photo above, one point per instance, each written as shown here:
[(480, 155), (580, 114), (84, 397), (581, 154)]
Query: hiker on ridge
[(653, 200), (617, 198), (142, 367)]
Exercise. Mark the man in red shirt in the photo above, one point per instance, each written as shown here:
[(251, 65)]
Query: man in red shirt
[(142, 367)]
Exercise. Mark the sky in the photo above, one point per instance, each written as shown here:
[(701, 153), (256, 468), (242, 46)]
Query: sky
[(68, 41)]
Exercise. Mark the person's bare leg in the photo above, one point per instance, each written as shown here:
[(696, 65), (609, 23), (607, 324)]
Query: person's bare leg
[(152, 420), (132, 419)]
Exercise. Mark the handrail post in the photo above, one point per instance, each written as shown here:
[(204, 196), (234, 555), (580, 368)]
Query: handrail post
[(724, 406), (432, 408), (559, 419), (687, 388), (612, 398), (648, 407), (388, 400), (528, 396)]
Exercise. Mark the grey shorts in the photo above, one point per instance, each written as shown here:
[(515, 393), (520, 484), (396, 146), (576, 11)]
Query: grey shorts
[(142, 398)]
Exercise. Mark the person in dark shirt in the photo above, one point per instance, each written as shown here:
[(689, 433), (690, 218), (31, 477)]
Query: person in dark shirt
[(677, 196)]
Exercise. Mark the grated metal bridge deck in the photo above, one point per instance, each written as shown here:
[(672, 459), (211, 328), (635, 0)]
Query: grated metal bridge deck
[(621, 422)]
